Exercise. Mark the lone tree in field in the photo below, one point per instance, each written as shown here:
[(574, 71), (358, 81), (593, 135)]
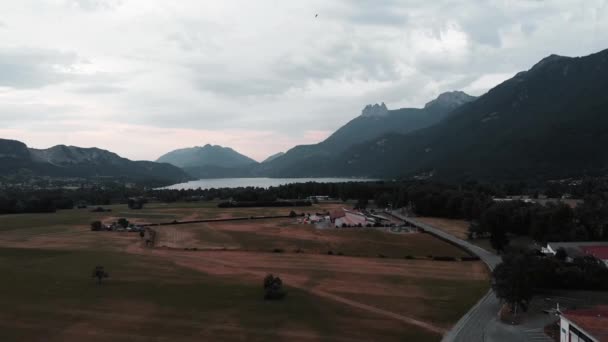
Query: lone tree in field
[(100, 273), (96, 225), (513, 280), (273, 288), (123, 222)]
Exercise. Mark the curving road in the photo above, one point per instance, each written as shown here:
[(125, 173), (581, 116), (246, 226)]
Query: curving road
[(472, 326)]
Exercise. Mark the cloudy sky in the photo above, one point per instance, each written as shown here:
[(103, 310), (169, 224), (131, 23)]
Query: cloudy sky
[(143, 77)]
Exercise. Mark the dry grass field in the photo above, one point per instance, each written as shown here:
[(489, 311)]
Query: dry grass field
[(458, 228), (370, 292)]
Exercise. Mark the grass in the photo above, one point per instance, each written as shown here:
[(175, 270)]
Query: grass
[(52, 292), (353, 242)]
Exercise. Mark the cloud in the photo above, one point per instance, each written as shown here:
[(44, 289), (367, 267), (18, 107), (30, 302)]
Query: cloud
[(94, 5), (98, 89), (259, 76), (34, 68)]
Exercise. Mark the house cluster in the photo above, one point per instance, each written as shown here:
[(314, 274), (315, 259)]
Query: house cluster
[(542, 200), (314, 218), (584, 325), (117, 227), (344, 218), (596, 249), (317, 198), (350, 218)]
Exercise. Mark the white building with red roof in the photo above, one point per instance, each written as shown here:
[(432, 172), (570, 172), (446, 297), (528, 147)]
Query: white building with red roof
[(584, 325), (597, 249)]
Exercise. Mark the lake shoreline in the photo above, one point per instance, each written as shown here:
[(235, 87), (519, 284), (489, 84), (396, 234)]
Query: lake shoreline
[(258, 182)]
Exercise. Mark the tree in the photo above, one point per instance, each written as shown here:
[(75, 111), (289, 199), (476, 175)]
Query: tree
[(123, 222), (498, 238), (136, 203), (96, 225), (561, 254), (100, 273), (273, 288), (361, 203), (513, 280)]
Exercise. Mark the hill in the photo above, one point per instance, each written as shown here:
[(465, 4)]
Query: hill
[(374, 121), (273, 157), (210, 161), (71, 161), (548, 122)]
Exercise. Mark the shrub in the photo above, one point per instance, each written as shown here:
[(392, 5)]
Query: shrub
[(469, 258), (273, 288), (123, 222), (444, 258), (96, 225)]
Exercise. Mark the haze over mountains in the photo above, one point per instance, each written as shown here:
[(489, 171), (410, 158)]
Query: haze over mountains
[(550, 121)]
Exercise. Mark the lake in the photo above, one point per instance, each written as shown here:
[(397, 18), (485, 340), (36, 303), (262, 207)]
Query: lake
[(256, 182)]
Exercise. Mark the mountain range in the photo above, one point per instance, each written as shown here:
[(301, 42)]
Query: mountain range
[(374, 121), (77, 162), (550, 121)]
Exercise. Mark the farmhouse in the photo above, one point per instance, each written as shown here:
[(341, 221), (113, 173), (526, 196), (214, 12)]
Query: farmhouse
[(597, 249), (584, 325), (349, 218)]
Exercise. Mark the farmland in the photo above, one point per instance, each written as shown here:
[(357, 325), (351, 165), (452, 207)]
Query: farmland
[(365, 289)]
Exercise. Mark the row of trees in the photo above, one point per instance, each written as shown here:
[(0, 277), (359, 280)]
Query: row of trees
[(522, 274), (544, 223)]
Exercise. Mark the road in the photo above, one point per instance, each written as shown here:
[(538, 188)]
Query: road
[(472, 327)]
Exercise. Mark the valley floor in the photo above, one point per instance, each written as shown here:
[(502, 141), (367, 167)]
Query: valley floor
[(370, 292)]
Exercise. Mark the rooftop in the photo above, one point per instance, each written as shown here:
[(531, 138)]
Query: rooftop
[(594, 320), (600, 252)]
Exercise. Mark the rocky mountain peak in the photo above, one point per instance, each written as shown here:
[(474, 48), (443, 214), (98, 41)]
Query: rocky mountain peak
[(374, 110), (450, 99)]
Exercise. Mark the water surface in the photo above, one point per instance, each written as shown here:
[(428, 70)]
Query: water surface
[(256, 182)]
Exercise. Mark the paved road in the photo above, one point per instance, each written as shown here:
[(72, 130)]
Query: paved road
[(473, 325)]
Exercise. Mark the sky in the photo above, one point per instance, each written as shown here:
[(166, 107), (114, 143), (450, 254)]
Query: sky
[(144, 77)]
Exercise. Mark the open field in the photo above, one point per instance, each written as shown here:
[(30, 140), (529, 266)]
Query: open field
[(458, 228), (164, 294), (288, 236)]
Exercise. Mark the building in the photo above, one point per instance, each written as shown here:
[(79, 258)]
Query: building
[(318, 198), (584, 325), (597, 249), (347, 218)]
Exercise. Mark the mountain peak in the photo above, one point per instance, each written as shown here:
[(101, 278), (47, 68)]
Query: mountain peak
[(450, 100), (208, 155), (547, 60), (374, 110)]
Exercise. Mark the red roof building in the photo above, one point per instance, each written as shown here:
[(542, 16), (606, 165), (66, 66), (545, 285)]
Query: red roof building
[(599, 252), (584, 325)]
